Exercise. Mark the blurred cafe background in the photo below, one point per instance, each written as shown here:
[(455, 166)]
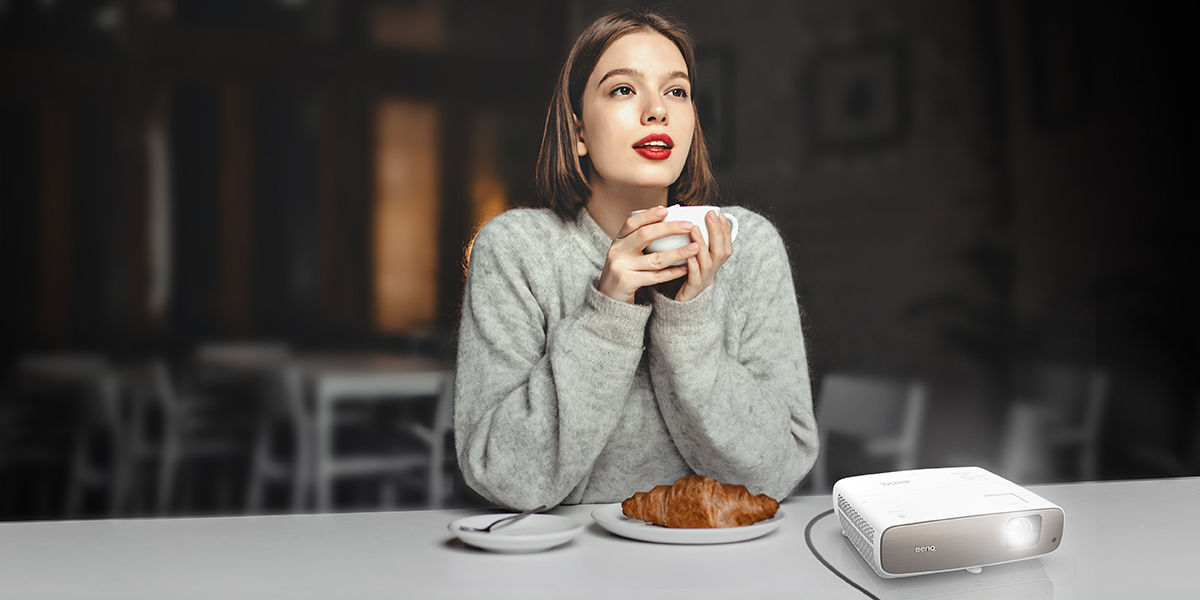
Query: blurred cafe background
[(234, 232)]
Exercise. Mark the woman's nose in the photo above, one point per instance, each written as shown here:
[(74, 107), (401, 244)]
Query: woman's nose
[(656, 113)]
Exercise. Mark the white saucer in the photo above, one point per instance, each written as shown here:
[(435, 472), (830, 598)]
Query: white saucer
[(531, 534), (611, 518)]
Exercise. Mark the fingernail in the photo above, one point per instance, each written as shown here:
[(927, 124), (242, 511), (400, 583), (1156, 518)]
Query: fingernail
[(686, 225), (660, 210), (692, 247)]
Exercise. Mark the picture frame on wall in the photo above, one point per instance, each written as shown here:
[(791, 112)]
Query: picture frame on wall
[(714, 100), (856, 98)]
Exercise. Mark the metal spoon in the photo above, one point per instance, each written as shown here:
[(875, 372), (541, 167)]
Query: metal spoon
[(508, 519)]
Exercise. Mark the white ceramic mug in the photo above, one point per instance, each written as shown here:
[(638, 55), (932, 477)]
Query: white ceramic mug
[(694, 215)]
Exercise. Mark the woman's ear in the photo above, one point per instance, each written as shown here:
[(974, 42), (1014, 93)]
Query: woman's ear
[(580, 145)]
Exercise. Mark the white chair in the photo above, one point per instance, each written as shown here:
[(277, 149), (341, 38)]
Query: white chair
[(884, 415), (150, 396), (1061, 410), (390, 452), (194, 432), (285, 411), (65, 411), (220, 415)]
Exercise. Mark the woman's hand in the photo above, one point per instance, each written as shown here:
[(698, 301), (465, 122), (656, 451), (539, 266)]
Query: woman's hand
[(702, 268), (626, 269)]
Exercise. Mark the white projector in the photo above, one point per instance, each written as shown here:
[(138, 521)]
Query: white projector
[(931, 520)]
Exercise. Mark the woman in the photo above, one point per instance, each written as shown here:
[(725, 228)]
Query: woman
[(578, 381)]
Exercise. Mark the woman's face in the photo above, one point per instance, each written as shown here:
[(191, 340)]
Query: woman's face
[(638, 119)]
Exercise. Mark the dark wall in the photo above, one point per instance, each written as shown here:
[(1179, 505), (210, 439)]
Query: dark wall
[(971, 188), (966, 188)]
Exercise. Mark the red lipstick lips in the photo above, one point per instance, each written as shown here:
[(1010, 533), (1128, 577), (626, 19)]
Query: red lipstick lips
[(656, 146)]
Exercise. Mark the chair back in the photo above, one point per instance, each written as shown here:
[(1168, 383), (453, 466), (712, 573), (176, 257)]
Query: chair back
[(66, 410), (242, 354), (1069, 397), (864, 407), (148, 384), (55, 394), (885, 414), (1058, 407), (234, 382)]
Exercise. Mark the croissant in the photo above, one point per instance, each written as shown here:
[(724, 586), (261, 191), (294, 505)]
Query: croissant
[(697, 501)]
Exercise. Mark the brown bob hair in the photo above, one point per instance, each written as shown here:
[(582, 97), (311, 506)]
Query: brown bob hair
[(561, 178)]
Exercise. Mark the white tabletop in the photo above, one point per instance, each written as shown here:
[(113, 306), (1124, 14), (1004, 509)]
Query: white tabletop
[(1122, 540)]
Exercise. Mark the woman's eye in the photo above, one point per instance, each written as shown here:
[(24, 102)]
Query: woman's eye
[(622, 90), (678, 93)]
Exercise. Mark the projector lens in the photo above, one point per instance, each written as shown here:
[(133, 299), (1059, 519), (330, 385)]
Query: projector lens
[(1022, 532)]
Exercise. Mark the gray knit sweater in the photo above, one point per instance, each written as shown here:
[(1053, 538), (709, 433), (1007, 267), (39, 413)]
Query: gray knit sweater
[(564, 395)]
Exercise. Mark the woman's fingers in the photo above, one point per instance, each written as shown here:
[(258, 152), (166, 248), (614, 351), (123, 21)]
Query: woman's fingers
[(705, 256), (667, 274), (702, 268), (661, 260), (720, 246), (629, 267), (638, 240), (725, 248), (695, 277), (641, 219)]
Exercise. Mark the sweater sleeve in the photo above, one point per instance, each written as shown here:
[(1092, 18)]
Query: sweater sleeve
[(535, 407), (743, 417)]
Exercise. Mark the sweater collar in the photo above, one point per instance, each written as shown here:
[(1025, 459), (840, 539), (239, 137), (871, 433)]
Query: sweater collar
[(591, 237)]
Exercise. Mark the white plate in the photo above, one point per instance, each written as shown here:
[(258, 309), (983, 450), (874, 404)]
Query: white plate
[(611, 518), (531, 534)]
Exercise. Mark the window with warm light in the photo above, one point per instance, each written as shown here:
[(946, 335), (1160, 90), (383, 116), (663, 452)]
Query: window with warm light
[(405, 224)]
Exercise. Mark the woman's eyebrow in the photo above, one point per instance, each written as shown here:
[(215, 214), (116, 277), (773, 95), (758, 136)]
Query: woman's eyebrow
[(678, 75), (621, 71), (638, 74)]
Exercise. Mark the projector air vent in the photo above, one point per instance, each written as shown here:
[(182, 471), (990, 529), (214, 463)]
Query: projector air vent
[(856, 538), (860, 523)]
